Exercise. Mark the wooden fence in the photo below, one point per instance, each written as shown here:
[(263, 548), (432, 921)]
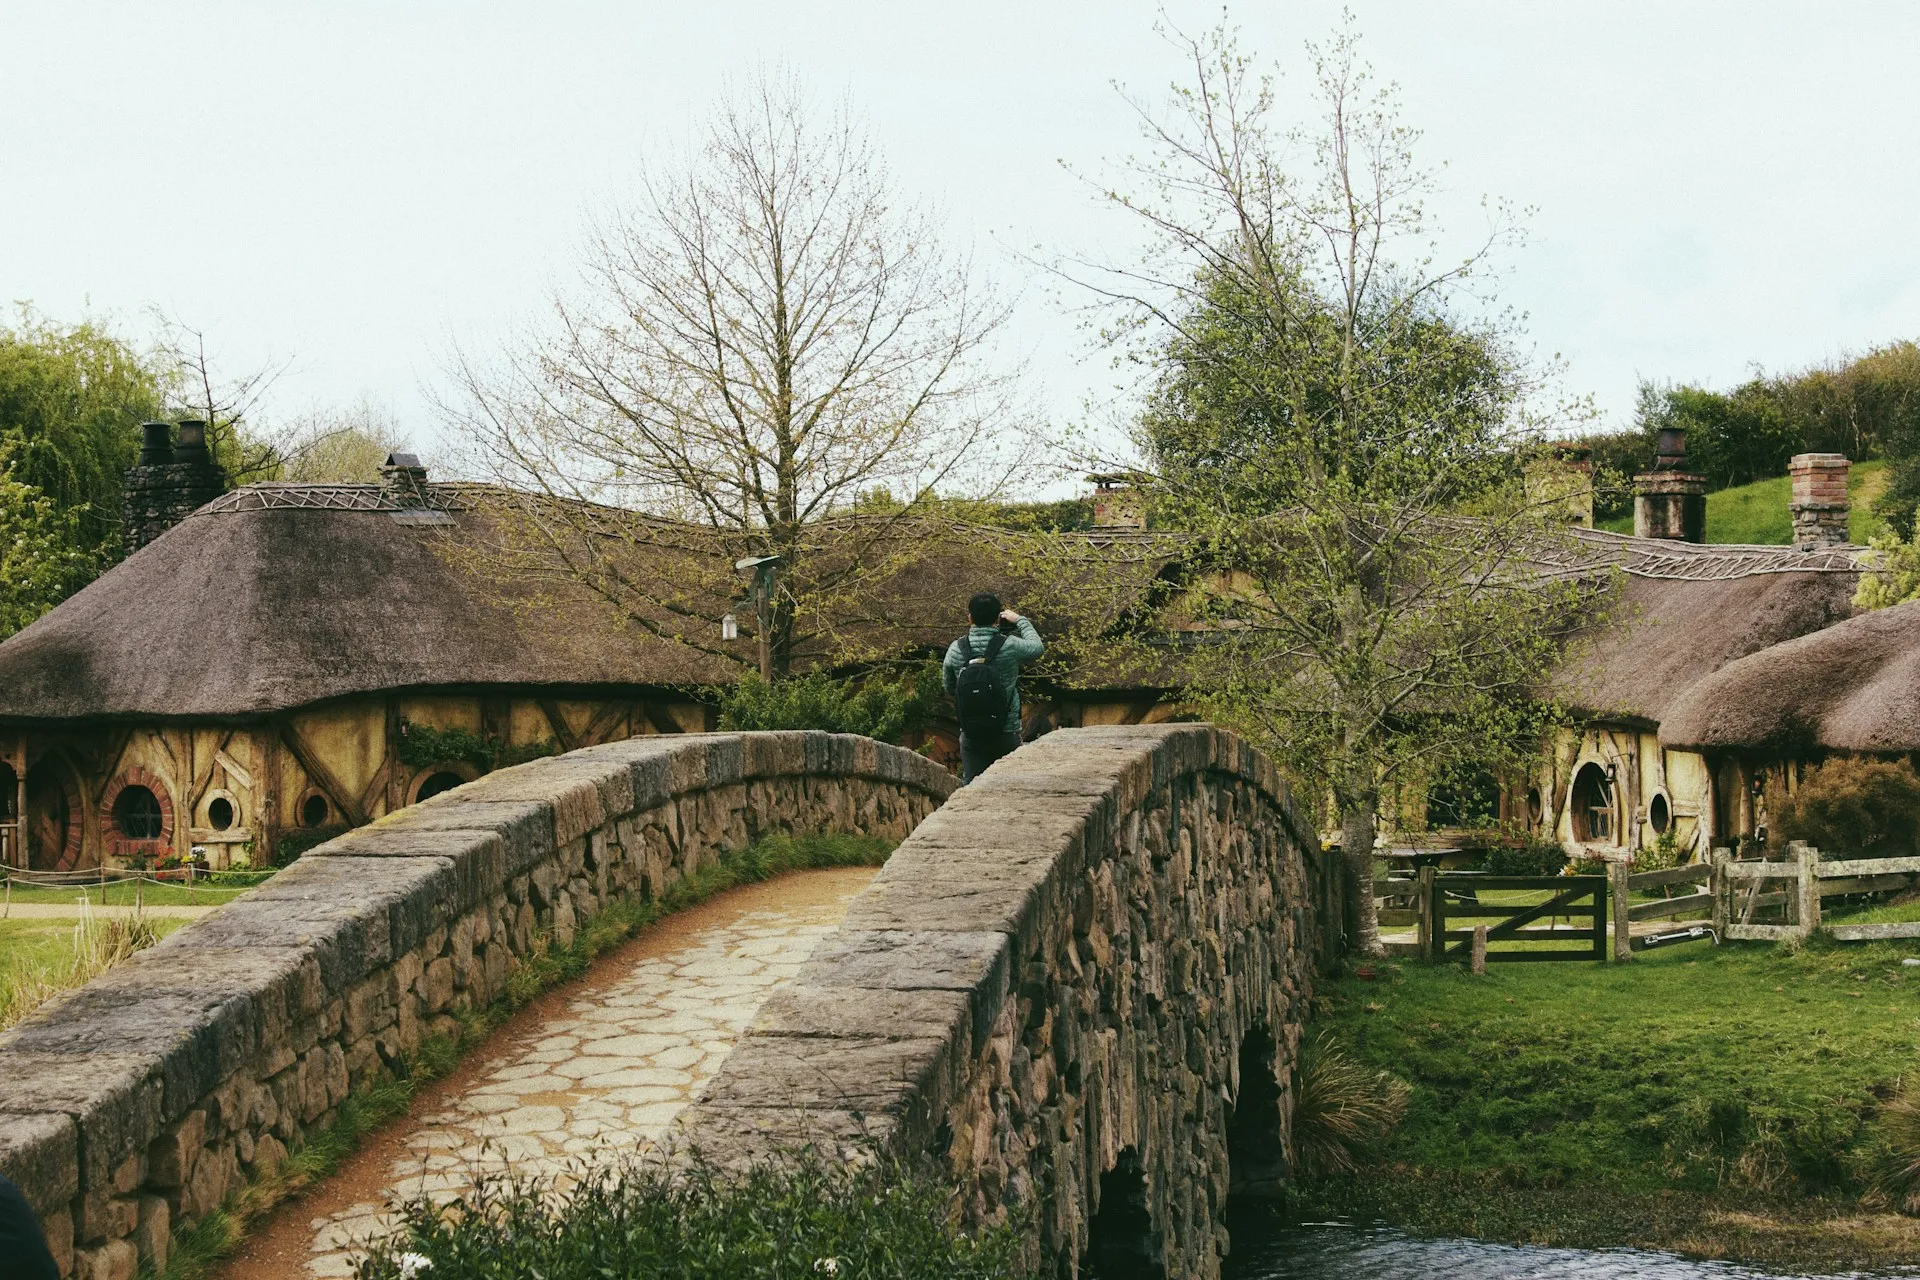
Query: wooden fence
[(1724, 894), (1448, 898)]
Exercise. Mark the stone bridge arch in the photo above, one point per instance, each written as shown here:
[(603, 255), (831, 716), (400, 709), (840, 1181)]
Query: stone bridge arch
[(138, 1103), (1059, 988), (1077, 986)]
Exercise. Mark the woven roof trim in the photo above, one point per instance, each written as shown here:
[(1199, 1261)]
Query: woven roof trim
[(325, 497)]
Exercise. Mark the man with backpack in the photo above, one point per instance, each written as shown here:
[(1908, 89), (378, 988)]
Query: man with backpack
[(982, 672)]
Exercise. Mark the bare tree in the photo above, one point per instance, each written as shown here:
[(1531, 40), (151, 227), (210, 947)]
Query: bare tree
[(339, 444), (767, 337), (227, 404)]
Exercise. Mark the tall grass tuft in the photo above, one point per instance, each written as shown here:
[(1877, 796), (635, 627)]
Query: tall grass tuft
[(1895, 1172), (639, 1219), (1340, 1109), (99, 943)]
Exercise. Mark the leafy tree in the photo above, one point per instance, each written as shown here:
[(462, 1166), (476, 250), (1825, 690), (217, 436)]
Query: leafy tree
[(769, 334), (1338, 439), (44, 555), (72, 398)]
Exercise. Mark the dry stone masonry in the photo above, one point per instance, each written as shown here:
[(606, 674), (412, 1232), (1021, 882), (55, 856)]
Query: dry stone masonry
[(139, 1102), (1079, 987)]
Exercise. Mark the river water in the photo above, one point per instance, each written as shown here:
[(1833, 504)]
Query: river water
[(1333, 1252)]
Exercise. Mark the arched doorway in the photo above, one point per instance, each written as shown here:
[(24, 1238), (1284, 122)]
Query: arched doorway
[(53, 818), (1592, 806)]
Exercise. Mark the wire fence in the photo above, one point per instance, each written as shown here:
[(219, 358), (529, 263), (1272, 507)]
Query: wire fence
[(130, 881)]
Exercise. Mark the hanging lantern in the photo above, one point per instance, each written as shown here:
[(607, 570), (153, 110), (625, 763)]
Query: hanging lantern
[(729, 629)]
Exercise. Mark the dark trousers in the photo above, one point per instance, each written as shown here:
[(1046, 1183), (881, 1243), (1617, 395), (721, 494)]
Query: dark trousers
[(976, 756)]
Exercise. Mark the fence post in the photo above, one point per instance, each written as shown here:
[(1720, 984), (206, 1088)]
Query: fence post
[(1809, 890), (1622, 929), (1425, 908), (1722, 886), (1600, 897), (1477, 962)]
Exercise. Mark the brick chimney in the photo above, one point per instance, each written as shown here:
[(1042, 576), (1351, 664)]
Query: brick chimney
[(169, 481), (1117, 504), (1819, 504), (1670, 501)]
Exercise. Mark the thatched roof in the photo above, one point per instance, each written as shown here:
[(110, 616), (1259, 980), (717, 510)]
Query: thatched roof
[(271, 598), (1687, 610), (279, 596), (1853, 687)]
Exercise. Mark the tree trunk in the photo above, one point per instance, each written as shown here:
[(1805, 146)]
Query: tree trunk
[(1358, 826)]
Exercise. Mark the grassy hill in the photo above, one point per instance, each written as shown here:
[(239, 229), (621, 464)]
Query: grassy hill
[(1757, 513)]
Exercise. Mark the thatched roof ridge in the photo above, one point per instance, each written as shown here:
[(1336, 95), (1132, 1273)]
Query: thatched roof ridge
[(1851, 687)]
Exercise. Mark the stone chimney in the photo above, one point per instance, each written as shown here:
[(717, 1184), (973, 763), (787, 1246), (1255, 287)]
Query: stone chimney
[(1117, 504), (1670, 501), (1563, 477), (1819, 504), (404, 479), (169, 481)]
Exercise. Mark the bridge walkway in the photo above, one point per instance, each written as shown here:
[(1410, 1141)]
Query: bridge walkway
[(599, 1069)]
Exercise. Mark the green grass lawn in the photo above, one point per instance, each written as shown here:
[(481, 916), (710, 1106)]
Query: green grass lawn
[(1591, 1104), (1757, 513), (122, 895)]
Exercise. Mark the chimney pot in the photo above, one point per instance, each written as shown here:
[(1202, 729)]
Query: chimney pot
[(156, 444)]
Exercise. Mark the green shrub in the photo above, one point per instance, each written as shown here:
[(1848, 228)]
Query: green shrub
[(798, 1216), (1533, 857), (1850, 806), (1660, 855), (294, 843), (1340, 1109), (423, 745), (870, 705)]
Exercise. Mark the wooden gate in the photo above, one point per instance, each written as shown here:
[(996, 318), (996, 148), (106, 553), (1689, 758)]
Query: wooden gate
[(1454, 898)]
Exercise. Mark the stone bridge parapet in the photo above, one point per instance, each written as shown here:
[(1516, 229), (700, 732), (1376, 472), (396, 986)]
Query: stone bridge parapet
[(139, 1102), (1079, 986)]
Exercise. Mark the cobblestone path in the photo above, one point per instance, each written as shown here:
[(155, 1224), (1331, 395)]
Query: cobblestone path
[(612, 1073)]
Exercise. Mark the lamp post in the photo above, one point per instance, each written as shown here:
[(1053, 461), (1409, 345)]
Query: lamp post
[(763, 569)]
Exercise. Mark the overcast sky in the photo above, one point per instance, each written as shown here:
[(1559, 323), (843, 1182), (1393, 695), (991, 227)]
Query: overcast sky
[(353, 187)]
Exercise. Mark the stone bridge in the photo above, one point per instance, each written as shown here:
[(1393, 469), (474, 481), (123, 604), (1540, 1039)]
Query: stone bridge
[(1075, 989)]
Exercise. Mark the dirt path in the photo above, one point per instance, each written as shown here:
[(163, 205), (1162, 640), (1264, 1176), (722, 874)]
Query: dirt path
[(599, 1067)]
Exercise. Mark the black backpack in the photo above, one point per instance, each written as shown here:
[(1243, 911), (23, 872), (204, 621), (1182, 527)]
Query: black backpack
[(978, 697)]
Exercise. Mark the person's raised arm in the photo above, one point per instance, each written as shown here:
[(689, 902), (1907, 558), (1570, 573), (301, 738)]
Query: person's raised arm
[(951, 664), (1025, 644)]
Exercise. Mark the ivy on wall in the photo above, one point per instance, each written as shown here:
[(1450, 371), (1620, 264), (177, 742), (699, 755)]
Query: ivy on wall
[(423, 745)]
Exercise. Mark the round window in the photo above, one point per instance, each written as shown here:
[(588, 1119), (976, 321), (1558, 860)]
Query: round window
[(220, 813), (1659, 815), (314, 811), (1592, 804), (136, 812), (435, 783)]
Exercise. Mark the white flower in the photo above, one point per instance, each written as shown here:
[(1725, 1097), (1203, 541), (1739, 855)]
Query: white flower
[(829, 1265), (412, 1264)]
